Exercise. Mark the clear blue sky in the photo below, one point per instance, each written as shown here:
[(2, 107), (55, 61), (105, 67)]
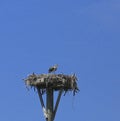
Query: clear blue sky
[(82, 36)]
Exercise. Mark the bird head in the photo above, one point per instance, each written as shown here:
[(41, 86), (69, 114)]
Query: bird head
[(56, 65)]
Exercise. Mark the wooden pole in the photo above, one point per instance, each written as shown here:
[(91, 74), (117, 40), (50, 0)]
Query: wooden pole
[(49, 104)]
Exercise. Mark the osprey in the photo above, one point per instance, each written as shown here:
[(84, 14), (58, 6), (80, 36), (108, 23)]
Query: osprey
[(53, 68)]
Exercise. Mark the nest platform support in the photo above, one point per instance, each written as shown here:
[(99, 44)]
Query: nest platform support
[(49, 104), (47, 84)]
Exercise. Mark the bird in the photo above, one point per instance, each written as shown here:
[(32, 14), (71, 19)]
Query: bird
[(53, 68)]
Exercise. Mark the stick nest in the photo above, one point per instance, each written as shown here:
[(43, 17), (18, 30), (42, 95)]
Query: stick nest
[(54, 81)]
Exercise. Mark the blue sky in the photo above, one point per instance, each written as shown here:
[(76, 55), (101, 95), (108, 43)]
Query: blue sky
[(83, 37)]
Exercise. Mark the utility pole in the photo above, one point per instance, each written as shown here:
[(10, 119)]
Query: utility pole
[(49, 104), (50, 110), (48, 84)]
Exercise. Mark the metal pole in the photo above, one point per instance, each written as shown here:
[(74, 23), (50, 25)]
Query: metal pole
[(49, 104)]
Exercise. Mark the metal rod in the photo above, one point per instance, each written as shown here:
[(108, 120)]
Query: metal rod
[(57, 103), (49, 104), (42, 103)]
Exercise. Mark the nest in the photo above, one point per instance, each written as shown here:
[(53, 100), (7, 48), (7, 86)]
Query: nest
[(53, 81)]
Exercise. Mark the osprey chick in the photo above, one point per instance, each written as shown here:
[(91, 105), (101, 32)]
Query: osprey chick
[(53, 68)]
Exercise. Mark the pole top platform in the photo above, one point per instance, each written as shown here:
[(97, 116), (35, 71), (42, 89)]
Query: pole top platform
[(53, 81)]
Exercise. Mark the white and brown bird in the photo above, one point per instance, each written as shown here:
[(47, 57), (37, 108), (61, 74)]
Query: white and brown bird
[(53, 68)]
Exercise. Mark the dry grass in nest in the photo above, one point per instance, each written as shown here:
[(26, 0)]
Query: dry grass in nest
[(53, 81)]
